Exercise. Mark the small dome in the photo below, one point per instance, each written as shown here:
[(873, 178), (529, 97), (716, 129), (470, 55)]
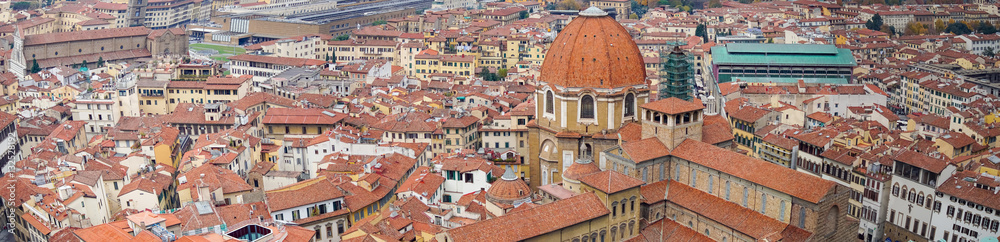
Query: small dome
[(580, 168), (508, 188), (593, 51)]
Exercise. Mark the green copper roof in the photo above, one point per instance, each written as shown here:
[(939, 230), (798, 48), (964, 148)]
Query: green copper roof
[(781, 54), (781, 48), (791, 80)]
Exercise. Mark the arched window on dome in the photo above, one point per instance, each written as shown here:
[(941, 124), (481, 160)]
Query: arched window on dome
[(587, 107), (549, 102), (629, 105)]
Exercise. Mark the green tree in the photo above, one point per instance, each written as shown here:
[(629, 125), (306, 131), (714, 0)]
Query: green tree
[(958, 28), (343, 37), (638, 9), (875, 23), (986, 28), (989, 52), (20, 6), (84, 64), (524, 14), (502, 73), (568, 5), (550, 6), (701, 32), (483, 72), (34, 66), (100, 61), (939, 25), (914, 28), (333, 56), (770, 40), (379, 22)]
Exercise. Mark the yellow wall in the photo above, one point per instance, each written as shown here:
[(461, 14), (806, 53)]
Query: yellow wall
[(988, 170), (157, 104), (425, 67), (163, 153), (10, 108), (183, 95), (184, 196), (279, 130), (64, 92)]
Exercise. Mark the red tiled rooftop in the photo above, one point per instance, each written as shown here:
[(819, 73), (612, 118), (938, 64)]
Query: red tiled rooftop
[(535, 221), (610, 181), (782, 179), (645, 149), (302, 116), (673, 105), (595, 52)]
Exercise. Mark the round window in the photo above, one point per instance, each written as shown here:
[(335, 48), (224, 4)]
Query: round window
[(102, 48)]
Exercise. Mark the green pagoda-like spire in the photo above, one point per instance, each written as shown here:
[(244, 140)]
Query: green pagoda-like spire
[(676, 75)]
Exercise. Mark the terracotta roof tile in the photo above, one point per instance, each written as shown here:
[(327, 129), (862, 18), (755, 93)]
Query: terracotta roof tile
[(923, 160), (752, 223), (595, 52), (535, 221), (302, 116), (784, 143), (236, 213), (669, 230), (630, 132), (37, 224), (422, 182), (746, 112), (782, 179), (673, 105), (302, 193), (717, 132), (645, 149), (963, 186), (40, 39), (611, 181)]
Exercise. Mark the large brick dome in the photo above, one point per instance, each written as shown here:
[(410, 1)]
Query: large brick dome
[(593, 51)]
